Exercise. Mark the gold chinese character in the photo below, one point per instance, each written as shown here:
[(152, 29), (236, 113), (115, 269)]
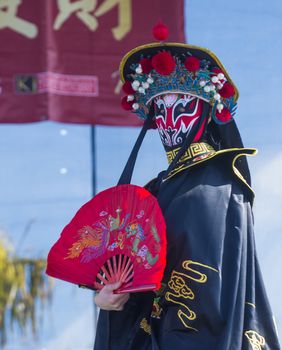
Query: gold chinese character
[(9, 19), (84, 10)]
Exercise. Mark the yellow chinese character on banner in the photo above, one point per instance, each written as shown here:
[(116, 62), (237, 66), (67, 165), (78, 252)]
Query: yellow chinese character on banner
[(86, 11), (81, 8), (124, 16), (9, 19), (118, 87)]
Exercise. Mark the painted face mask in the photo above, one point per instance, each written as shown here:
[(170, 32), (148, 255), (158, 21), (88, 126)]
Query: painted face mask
[(175, 117)]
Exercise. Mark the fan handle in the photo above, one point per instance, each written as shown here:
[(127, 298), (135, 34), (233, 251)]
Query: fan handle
[(143, 288)]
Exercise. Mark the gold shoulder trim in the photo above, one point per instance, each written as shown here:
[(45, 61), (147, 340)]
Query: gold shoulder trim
[(237, 172), (240, 152)]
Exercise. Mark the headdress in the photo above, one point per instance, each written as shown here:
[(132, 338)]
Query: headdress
[(158, 68)]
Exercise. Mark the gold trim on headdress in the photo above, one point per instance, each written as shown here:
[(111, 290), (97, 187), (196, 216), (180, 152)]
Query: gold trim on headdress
[(172, 45)]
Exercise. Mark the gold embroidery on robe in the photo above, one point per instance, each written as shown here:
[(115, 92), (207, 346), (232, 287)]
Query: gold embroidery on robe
[(145, 326), (256, 340), (180, 290), (250, 304)]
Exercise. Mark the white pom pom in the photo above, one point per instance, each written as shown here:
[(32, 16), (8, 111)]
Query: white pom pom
[(135, 106), (216, 97), (135, 83), (219, 107), (202, 83), (145, 85), (214, 79), (212, 87), (150, 80), (220, 76), (141, 90), (138, 70), (130, 98), (207, 88), (220, 86)]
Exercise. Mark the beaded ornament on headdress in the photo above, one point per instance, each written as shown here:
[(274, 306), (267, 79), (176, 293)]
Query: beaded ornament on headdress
[(164, 73)]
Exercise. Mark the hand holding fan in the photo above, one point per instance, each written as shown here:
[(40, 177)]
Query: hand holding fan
[(119, 235)]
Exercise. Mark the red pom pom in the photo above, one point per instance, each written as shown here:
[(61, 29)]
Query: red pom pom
[(163, 63), (227, 90), (127, 105), (223, 116), (146, 65), (127, 88), (192, 64), (160, 31)]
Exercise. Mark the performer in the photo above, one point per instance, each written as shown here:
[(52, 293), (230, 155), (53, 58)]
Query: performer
[(212, 295)]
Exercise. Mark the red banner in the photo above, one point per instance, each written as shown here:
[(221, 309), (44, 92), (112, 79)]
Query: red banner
[(59, 58)]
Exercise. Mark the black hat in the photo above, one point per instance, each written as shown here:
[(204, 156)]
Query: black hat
[(160, 68)]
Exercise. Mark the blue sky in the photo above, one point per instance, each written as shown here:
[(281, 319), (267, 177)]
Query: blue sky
[(46, 167)]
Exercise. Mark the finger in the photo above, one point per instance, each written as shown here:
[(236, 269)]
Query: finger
[(116, 302), (120, 302), (118, 306), (119, 309), (113, 286), (122, 298)]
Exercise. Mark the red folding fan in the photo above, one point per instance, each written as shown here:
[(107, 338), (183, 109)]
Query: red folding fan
[(119, 235)]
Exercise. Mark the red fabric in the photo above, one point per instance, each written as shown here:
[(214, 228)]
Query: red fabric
[(61, 63), (125, 221), (163, 63)]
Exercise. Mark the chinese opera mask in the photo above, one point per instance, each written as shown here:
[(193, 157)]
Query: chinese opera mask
[(175, 117)]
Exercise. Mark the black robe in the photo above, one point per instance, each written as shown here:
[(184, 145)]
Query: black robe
[(213, 296)]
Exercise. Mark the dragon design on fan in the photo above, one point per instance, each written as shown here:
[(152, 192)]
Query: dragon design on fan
[(111, 233), (143, 253), (93, 241)]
